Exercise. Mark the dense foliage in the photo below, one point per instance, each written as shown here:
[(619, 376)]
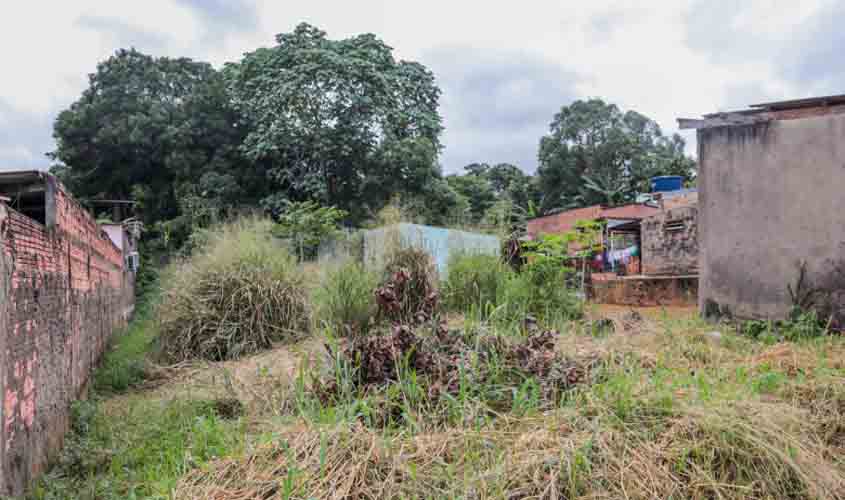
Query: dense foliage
[(338, 123), (162, 132), (594, 153)]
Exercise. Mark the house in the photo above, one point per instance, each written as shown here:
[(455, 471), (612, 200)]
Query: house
[(771, 181), (650, 252)]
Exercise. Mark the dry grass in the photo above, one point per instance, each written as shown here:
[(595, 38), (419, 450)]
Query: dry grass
[(731, 453), (236, 296)]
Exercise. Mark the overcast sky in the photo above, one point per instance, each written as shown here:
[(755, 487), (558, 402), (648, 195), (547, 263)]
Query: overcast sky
[(505, 67)]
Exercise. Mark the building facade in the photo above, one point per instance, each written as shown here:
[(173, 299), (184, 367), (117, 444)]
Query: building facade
[(771, 183)]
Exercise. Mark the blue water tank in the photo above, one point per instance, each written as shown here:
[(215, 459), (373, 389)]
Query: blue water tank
[(666, 183)]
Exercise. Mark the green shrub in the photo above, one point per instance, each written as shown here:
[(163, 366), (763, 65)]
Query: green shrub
[(235, 296), (344, 300), (474, 282), (540, 290), (800, 325)]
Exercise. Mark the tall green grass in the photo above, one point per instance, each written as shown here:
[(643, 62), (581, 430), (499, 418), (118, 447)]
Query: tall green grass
[(344, 300), (486, 289), (474, 281)]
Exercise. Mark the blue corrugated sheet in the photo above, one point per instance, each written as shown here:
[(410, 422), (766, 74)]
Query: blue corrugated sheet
[(439, 242)]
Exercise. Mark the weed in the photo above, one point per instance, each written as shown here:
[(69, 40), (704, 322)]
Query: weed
[(235, 296), (344, 299), (474, 282), (125, 364)]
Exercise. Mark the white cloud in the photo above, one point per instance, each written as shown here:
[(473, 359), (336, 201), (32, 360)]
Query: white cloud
[(664, 58)]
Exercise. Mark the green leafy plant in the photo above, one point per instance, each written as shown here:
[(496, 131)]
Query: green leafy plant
[(307, 224)]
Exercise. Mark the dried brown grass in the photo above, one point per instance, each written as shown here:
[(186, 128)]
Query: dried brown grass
[(236, 296), (748, 451)]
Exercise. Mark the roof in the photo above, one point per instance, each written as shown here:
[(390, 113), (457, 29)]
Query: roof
[(769, 111), (563, 221), (21, 176), (811, 102), (634, 211)]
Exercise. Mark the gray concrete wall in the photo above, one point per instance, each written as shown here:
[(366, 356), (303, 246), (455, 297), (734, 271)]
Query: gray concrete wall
[(670, 252), (771, 195)]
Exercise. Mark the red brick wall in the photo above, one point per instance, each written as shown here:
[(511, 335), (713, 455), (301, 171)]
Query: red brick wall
[(63, 291), (561, 222)]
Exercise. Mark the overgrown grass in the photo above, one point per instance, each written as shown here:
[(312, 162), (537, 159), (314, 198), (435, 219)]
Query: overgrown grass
[(137, 449), (344, 299), (474, 282), (490, 406), (125, 364), (234, 296)]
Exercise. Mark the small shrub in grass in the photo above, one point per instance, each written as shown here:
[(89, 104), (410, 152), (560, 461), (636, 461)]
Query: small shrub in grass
[(344, 299), (474, 281), (235, 296), (539, 290)]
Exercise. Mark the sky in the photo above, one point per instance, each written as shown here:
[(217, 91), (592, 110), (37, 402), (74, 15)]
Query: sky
[(505, 68)]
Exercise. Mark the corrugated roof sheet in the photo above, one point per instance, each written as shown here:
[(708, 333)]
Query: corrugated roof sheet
[(766, 112), (20, 176), (811, 102), (563, 221), (635, 211)]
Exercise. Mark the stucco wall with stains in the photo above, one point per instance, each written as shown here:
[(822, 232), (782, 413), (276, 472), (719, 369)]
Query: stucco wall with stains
[(64, 291), (770, 196)]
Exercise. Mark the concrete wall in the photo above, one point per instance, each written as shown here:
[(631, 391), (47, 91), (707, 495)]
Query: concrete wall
[(770, 195), (441, 243), (63, 292), (670, 251)]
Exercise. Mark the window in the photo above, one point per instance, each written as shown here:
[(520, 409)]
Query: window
[(671, 226), (133, 261)]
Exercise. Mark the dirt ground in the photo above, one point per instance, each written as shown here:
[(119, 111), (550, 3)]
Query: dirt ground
[(654, 313)]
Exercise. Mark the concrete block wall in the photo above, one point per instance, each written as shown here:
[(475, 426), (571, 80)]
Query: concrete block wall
[(63, 292), (667, 250), (771, 197)]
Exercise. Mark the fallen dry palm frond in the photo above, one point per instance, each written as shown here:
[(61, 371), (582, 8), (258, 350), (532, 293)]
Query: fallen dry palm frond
[(408, 294), (755, 451)]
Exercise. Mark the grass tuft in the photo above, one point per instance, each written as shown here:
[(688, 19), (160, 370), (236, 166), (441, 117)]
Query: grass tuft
[(235, 296)]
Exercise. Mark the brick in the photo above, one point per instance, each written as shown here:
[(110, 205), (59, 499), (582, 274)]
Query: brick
[(63, 289)]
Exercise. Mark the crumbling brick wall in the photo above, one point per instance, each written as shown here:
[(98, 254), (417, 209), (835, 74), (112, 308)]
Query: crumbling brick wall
[(670, 242), (63, 291)]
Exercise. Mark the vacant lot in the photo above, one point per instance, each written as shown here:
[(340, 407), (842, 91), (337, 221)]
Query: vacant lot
[(476, 386)]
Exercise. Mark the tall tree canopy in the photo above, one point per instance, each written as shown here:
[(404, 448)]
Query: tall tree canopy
[(338, 121), (595, 153), (159, 130)]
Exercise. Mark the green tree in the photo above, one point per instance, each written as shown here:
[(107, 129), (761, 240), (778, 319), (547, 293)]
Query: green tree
[(307, 224), (158, 130), (594, 153), (341, 122), (477, 190)]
